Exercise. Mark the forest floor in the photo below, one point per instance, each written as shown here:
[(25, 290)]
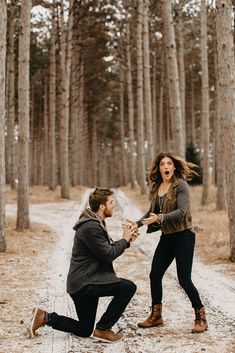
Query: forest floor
[(33, 272)]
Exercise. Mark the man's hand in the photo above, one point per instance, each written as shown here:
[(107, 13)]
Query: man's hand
[(130, 233), (135, 235), (133, 224)]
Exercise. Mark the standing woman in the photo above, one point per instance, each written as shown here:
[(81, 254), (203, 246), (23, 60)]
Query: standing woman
[(170, 208)]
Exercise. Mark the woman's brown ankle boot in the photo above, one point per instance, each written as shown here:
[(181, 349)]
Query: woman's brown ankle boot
[(200, 321), (154, 319)]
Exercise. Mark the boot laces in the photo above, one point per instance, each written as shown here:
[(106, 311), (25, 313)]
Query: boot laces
[(200, 321), (200, 318), (154, 314)]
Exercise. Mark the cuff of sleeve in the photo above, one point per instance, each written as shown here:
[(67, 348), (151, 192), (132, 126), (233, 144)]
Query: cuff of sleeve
[(139, 224), (127, 243)]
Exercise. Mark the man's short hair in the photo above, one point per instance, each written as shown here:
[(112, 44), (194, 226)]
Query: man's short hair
[(99, 197)]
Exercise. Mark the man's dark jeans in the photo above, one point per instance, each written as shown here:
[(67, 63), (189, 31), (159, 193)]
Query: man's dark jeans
[(86, 303), (178, 246)]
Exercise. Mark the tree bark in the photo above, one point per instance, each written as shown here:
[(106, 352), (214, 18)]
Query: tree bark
[(147, 84), (180, 28), (75, 122), (218, 147), (154, 103), (140, 103), (205, 106), (160, 122), (94, 154), (122, 128), (46, 161), (226, 87), (52, 105), (3, 29), (65, 81), (173, 79), (131, 136), (83, 130), (192, 103), (23, 221), (10, 139)]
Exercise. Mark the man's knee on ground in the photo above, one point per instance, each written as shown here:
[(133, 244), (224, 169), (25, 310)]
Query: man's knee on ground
[(85, 332)]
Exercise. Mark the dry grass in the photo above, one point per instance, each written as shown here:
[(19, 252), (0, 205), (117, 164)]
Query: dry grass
[(42, 194), (25, 265), (211, 225), (19, 242)]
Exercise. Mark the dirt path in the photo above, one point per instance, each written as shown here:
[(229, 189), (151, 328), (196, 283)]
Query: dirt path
[(174, 336), (51, 294)]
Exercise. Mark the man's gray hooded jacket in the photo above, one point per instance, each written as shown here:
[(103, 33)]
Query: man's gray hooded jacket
[(92, 254)]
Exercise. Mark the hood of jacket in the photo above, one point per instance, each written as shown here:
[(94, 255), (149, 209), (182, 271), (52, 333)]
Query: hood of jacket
[(86, 216)]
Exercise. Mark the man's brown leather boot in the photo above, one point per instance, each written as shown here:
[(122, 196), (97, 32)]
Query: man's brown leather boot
[(155, 318), (39, 319)]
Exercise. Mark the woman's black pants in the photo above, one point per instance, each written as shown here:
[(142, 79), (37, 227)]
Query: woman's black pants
[(178, 246)]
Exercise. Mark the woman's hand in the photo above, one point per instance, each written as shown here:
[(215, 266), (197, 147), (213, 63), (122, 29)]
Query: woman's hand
[(151, 219)]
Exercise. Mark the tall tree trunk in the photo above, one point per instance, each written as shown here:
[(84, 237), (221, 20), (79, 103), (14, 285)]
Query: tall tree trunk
[(147, 83), (192, 103), (154, 102), (52, 104), (3, 29), (160, 123), (46, 164), (205, 106), (173, 78), (65, 81), (103, 165), (94, 155), (140, 103), (83, 130), (132, 160), (33, 138), (226, 86), (10, 143), (23, 221), (168, 139), (180, 27), (75, 124), (122, 129), (218, 146), (39, 138)]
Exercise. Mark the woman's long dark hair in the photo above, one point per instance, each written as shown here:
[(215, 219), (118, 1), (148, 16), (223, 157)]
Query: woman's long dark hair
[(183, 169)]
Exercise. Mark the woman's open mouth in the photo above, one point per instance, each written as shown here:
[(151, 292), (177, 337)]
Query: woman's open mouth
[(167, 172)]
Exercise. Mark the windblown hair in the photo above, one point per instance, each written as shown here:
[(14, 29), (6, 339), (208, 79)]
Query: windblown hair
[(183, 169), (99, 197)]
